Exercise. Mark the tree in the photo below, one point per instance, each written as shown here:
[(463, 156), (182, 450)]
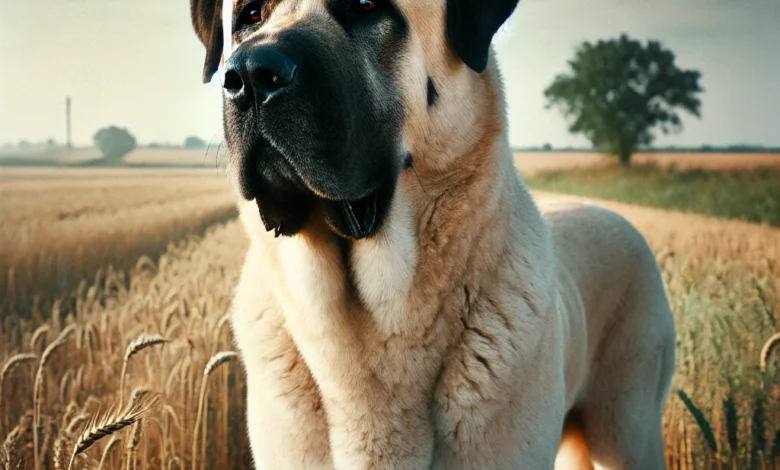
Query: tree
[(194, 143), (619, 90), (114, 142)]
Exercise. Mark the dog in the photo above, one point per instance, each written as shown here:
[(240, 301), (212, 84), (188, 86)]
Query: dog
[(404, 303)]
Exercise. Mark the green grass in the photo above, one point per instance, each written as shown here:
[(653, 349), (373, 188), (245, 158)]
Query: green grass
[(749, 195)]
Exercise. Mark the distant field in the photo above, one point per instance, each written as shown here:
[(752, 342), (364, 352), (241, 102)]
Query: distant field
[(59, 226), (752, 195), (533, 162), (144, 156), (527, 162)]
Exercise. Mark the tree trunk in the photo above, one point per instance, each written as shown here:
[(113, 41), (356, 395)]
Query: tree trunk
[(625, 157)]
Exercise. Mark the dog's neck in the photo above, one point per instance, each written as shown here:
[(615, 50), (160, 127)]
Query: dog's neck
[(357, 313)]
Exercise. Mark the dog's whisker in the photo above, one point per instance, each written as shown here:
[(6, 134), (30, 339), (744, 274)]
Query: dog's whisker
[(216, 157), (418, 179), (208, 147)]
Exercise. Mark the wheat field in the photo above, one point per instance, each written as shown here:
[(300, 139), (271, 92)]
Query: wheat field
[(135, 369), (58, 226), (532, 162)]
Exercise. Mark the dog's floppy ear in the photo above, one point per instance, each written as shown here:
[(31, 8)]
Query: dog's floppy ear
[(207, 21), (471, 25)]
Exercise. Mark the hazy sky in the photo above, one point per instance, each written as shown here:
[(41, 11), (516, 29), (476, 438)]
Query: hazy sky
[(137, 63)]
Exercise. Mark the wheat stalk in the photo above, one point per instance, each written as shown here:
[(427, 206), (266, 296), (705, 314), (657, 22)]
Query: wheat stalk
[(218, 330), (132, 444), (215, 361), (70, 411), (61, 339), (48, 432), (111, 444), (141, 403), (139, 344), (766, 351)]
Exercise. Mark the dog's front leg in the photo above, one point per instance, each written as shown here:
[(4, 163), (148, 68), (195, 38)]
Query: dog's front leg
[(286, 423), (373, 424)]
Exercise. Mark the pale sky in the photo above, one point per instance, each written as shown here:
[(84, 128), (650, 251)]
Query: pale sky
[(137, 64)]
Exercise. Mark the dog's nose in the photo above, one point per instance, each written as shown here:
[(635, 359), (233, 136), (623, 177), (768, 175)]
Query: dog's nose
[(258, 73)]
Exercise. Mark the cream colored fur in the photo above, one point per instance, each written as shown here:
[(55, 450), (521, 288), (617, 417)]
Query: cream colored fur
[(475, 321)]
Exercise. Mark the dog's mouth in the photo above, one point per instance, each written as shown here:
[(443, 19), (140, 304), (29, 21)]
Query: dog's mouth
[(355, 219), (288, 201), (360, 216)]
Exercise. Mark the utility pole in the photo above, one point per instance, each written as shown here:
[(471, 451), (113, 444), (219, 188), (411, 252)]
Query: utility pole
[(67, 119)]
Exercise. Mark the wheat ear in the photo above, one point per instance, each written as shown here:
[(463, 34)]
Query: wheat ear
[(14, 361), (62, 338), (16, 436), (215, 361), (9, 366), (141, 403), (766, 351), (40, 331), (139, 344)]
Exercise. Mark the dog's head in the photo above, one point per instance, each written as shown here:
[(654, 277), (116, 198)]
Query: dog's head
[(328, 102)]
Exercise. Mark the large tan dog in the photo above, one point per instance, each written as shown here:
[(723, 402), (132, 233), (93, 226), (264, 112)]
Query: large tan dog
[(404, 303)]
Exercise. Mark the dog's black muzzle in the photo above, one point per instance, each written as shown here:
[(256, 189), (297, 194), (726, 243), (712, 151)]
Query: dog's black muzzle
[(311, 131)]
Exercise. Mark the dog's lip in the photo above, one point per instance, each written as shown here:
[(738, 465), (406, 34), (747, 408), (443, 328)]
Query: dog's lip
[(313, 187), (361, 215)]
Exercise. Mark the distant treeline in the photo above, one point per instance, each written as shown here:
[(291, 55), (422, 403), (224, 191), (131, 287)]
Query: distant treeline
[(738, 148)]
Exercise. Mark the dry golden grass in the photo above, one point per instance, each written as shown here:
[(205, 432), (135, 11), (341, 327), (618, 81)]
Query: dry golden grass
[(182, 299), (532, 162), (60, 226), (723, 279)]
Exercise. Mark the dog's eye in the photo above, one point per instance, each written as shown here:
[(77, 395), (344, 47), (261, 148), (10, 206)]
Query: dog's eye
[(251, 15), (366, 6)]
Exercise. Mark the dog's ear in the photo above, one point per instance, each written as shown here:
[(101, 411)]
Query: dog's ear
[(207, 21), (471, 25)]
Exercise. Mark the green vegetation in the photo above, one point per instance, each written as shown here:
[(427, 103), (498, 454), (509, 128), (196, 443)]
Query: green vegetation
[(114, 143), (749, 195), (618, 91)]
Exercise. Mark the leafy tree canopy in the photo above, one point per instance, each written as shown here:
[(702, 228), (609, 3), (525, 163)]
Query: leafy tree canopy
[(114, 142), (193, 142), (619, 91)]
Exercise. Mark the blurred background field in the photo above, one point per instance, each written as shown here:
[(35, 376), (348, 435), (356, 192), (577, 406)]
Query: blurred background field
[(139, 157), (60, 226)]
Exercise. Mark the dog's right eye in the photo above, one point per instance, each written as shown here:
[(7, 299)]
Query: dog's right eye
[(251, 15), (366, 6)]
